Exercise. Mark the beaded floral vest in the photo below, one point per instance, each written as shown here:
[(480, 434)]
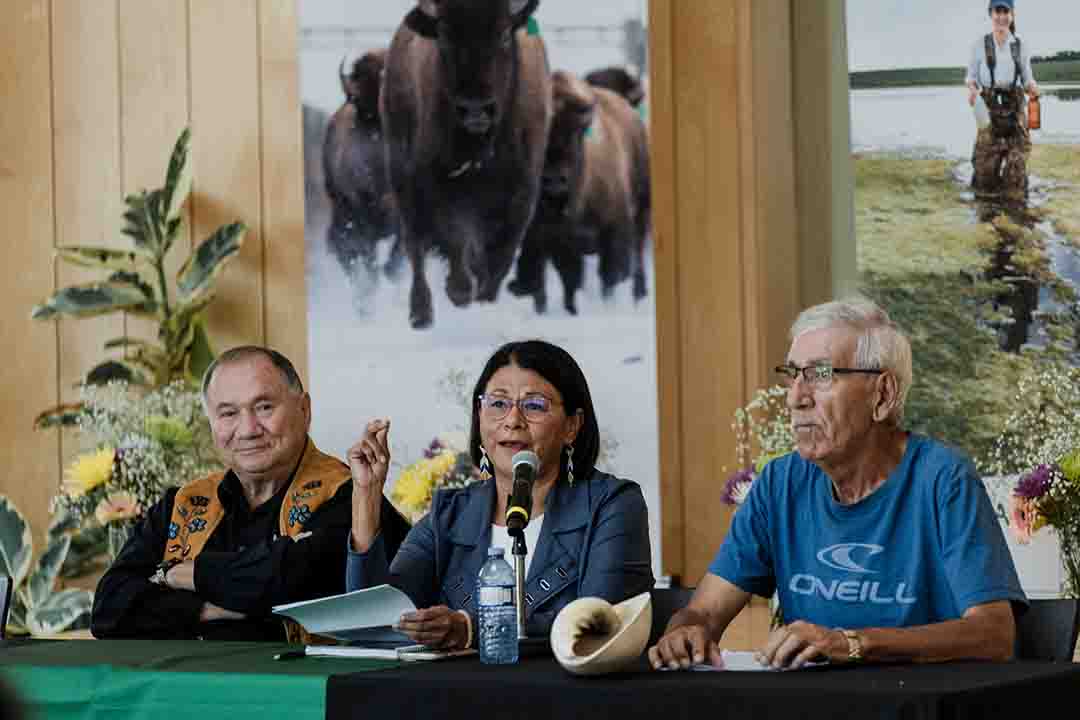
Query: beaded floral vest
[(197, 510)]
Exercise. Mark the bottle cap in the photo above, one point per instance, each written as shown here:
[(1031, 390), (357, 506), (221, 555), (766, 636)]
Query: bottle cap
[(495, 551)]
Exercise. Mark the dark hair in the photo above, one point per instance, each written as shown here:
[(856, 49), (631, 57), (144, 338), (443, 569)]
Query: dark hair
[(560, 369), (242, 352)]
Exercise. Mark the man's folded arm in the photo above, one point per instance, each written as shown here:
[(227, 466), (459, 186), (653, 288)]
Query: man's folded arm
[(253, 580), (126, 603)]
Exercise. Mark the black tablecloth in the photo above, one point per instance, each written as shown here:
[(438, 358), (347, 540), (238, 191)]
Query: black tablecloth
[(539, 688)]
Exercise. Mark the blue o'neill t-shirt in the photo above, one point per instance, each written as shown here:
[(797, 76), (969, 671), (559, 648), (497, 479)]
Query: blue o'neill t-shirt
[(922, 548)]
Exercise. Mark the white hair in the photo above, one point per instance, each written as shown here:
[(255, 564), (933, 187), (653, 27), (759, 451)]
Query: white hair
[(881, 345)]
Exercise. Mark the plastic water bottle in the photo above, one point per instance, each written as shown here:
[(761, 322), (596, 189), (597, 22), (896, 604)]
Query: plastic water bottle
[(498, 639)]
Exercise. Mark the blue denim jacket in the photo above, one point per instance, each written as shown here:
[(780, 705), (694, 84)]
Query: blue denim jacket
[(594, 542)]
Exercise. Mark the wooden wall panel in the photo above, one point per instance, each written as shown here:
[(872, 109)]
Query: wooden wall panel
[(154, 106), (284, 286), (665, 188), (88, 202), (225, 121), (30, 460), (707, 158)]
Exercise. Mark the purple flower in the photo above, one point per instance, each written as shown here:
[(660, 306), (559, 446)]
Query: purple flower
[(737, 486), (433, 449), (1034, 484)]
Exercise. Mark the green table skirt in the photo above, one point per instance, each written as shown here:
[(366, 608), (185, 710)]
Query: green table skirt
[(170, 680)]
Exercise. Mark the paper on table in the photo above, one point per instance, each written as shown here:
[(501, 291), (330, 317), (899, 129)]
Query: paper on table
[(741, 661), (407, 653), (340, 616)]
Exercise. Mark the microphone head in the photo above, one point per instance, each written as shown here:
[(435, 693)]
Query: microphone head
[(525, 457)]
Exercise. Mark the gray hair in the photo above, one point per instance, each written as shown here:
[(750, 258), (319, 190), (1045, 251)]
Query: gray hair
[(881, 344), (243, 352)]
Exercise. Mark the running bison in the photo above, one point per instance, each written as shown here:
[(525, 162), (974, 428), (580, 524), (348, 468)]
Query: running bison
[(618, 80), (354, 166), (466, 110), (594, 198)]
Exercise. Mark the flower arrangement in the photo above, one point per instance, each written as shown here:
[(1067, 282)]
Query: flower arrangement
[(445, 464), (143, 442), (1049, 495), (1041, 443), (762, 433)]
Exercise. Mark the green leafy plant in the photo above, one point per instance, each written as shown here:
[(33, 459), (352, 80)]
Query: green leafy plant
[(38, 608), (136, 283)]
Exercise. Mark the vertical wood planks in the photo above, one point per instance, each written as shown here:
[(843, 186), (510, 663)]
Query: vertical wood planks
[(31, 460), (281, 149), (225, 121)]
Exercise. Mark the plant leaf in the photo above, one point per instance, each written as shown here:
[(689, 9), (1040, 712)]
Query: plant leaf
[(98, 257), (66, 415), (42, 580), (144, 223), (59, 611), (198, 272), (92, 299), (16, 543), (177, 181), (201, 354), (116, 370)]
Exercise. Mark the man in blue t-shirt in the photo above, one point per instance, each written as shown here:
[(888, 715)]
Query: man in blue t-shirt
[(882, 545)]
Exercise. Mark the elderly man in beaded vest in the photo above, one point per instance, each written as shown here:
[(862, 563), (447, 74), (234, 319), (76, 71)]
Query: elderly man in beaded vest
[(212, 558)]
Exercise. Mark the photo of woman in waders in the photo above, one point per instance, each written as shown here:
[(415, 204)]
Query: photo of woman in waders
[(999, 72)]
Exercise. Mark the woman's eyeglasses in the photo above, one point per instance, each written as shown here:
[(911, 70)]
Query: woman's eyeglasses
[(533, 407), (818, 375)]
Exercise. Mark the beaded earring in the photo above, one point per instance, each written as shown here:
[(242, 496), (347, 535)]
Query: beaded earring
[(485, 465), (570, 464)]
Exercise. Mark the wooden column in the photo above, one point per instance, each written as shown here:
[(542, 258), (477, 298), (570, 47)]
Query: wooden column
[(728, 246)]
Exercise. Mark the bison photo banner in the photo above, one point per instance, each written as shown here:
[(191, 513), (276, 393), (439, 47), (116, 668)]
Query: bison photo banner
[(466, 191)]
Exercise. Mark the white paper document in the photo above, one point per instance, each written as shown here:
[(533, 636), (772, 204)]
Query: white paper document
[(408, 653), (741, 661), (345, 617)]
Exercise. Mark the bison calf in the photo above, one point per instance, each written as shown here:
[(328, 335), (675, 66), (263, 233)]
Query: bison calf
[(594, 195), (354, 163)]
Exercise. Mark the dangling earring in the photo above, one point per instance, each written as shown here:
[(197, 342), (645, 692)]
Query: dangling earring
[(485, 465), (570, 464)]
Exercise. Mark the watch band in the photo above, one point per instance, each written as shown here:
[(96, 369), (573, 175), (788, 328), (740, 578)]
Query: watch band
[(854, 644)]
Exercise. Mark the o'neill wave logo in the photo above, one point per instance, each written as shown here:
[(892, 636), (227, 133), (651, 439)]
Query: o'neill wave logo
[(839, 557), (851, 558)]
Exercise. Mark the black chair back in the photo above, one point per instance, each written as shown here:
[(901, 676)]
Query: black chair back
[(5, 602), (1047, 631), (665, 603)]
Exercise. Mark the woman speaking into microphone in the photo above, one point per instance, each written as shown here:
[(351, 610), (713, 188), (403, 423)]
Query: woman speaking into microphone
[(587, 531)]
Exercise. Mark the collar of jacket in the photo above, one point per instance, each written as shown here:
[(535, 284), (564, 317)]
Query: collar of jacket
[(566, 509)]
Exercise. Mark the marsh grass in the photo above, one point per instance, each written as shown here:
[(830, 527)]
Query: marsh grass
[(925, 255)]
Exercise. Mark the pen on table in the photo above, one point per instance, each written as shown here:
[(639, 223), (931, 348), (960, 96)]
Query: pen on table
[(290, 655)]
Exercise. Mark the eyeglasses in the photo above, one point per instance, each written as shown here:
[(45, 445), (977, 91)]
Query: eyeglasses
[(818, 375), (534, 407)]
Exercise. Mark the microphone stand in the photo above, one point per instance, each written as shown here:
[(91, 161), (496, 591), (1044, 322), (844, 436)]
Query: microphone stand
[(519, 551)]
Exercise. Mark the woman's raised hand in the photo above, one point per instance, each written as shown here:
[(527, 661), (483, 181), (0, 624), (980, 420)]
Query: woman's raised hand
[(369, 460)]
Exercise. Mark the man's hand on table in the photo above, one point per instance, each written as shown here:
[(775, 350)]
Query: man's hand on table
[(684, 646)]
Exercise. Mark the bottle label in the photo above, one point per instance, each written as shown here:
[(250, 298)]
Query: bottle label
[(496, 595)]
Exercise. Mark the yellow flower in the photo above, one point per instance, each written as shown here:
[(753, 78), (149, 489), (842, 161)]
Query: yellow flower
[(414, 486), (117, 506), (89, 471)]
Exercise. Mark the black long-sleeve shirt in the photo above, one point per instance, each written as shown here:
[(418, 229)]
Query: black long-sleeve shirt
[(245, 566)]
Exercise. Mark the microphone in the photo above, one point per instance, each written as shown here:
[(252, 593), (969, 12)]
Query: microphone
[(526, 464)]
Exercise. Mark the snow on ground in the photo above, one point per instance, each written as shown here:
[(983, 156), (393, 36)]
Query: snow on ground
[(366, 361)]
